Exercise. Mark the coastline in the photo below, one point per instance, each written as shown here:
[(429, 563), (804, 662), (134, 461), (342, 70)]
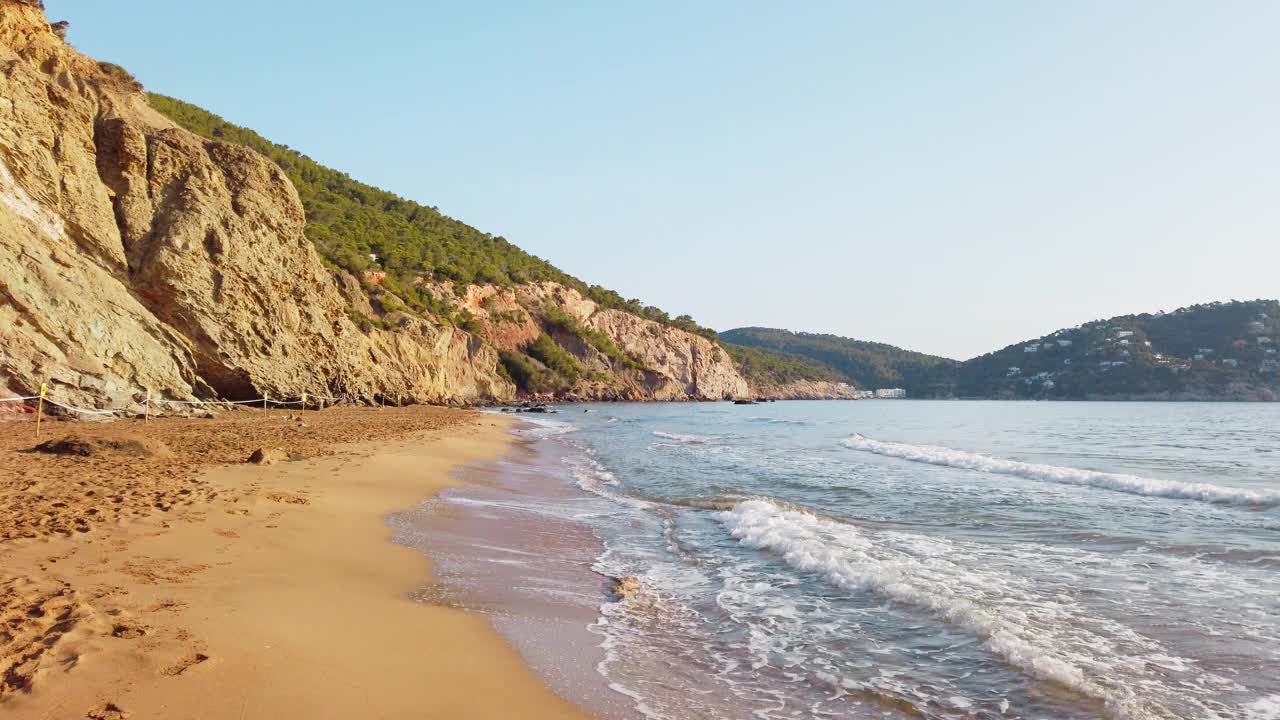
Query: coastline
[(513, 544), (276, 593)]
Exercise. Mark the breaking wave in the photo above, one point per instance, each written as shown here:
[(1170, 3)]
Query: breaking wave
[(1045, 636), (1119, 482)]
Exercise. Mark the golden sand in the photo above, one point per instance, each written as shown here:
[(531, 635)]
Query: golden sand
[(185, 587)]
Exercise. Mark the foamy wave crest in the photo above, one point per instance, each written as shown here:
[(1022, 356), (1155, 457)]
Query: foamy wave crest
[(1046, 636), (1118, 482), (545, 427), (678, 437), (594, 478)]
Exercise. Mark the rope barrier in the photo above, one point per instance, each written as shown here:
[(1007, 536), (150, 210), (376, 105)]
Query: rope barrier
[(149, 402), (86, 411), (202, 402)]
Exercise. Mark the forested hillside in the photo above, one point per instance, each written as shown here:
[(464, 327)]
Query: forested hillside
[(1213, 351), (867, 364), (766, 367), (1216, 351)]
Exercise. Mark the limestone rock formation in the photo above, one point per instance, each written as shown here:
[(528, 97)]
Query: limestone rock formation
[(675, 364), (806, 390), (135, 255)]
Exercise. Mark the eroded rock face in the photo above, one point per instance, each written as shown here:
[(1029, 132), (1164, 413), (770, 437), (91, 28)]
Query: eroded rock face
[(677, 365), (135, 255), (682, 364), (806, 390)]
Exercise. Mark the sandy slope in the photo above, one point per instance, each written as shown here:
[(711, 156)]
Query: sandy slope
[(173, 588)]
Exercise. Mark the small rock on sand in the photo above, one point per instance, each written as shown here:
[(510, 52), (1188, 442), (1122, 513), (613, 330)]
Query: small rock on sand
[(270, 456), (626, 587)]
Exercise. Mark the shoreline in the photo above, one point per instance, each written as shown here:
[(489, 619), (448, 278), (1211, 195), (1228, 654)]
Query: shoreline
[(511, 544), (277, 592)]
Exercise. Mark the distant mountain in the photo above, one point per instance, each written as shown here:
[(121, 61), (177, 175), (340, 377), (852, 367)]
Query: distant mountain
[(769, 367), (1218, 351), (866, 364)]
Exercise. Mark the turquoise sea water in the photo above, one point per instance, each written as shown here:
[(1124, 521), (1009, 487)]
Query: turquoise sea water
[(897, 559)]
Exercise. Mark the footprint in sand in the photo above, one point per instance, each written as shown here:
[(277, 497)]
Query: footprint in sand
[(108, 711), (287, 498), (186, 663), (128, 630), (167, 604)]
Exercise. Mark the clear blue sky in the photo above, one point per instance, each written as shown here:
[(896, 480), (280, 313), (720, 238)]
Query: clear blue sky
[(947, 176)]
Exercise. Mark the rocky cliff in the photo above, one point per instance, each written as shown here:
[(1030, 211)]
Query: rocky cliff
[(136, 256), (805, 390), (647, 360)]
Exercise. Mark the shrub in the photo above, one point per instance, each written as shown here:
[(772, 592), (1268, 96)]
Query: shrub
[(556, 358)]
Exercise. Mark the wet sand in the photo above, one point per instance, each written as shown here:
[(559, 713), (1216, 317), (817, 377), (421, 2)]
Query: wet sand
[(186, 588), (510, 544)]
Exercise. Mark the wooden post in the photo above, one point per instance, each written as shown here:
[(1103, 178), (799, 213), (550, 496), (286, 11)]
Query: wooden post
[(146, 408), (304, 401), (264, 399), (40, 408)]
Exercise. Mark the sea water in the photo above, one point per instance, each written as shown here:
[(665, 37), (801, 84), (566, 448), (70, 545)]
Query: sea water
[(907, 559)]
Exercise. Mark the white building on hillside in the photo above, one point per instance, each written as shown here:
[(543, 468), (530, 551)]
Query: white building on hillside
[(891, 393)]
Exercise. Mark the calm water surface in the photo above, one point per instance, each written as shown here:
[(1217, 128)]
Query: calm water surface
[(912, 559)]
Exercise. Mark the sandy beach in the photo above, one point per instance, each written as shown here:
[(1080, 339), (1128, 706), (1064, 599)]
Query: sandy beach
[(190, 584)]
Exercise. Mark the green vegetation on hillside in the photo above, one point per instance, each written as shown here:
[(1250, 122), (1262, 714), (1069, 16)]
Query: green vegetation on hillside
[(1212, 351), (543, 367), (558, 319), (767, 367), (866, 364), (556, 358), (348, 220), (528, 374)]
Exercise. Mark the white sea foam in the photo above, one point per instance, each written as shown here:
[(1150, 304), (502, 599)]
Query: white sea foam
[(1118, 482), (1267, 708), (683, 438), (545, 427), (591, 476), (1046, 634)]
